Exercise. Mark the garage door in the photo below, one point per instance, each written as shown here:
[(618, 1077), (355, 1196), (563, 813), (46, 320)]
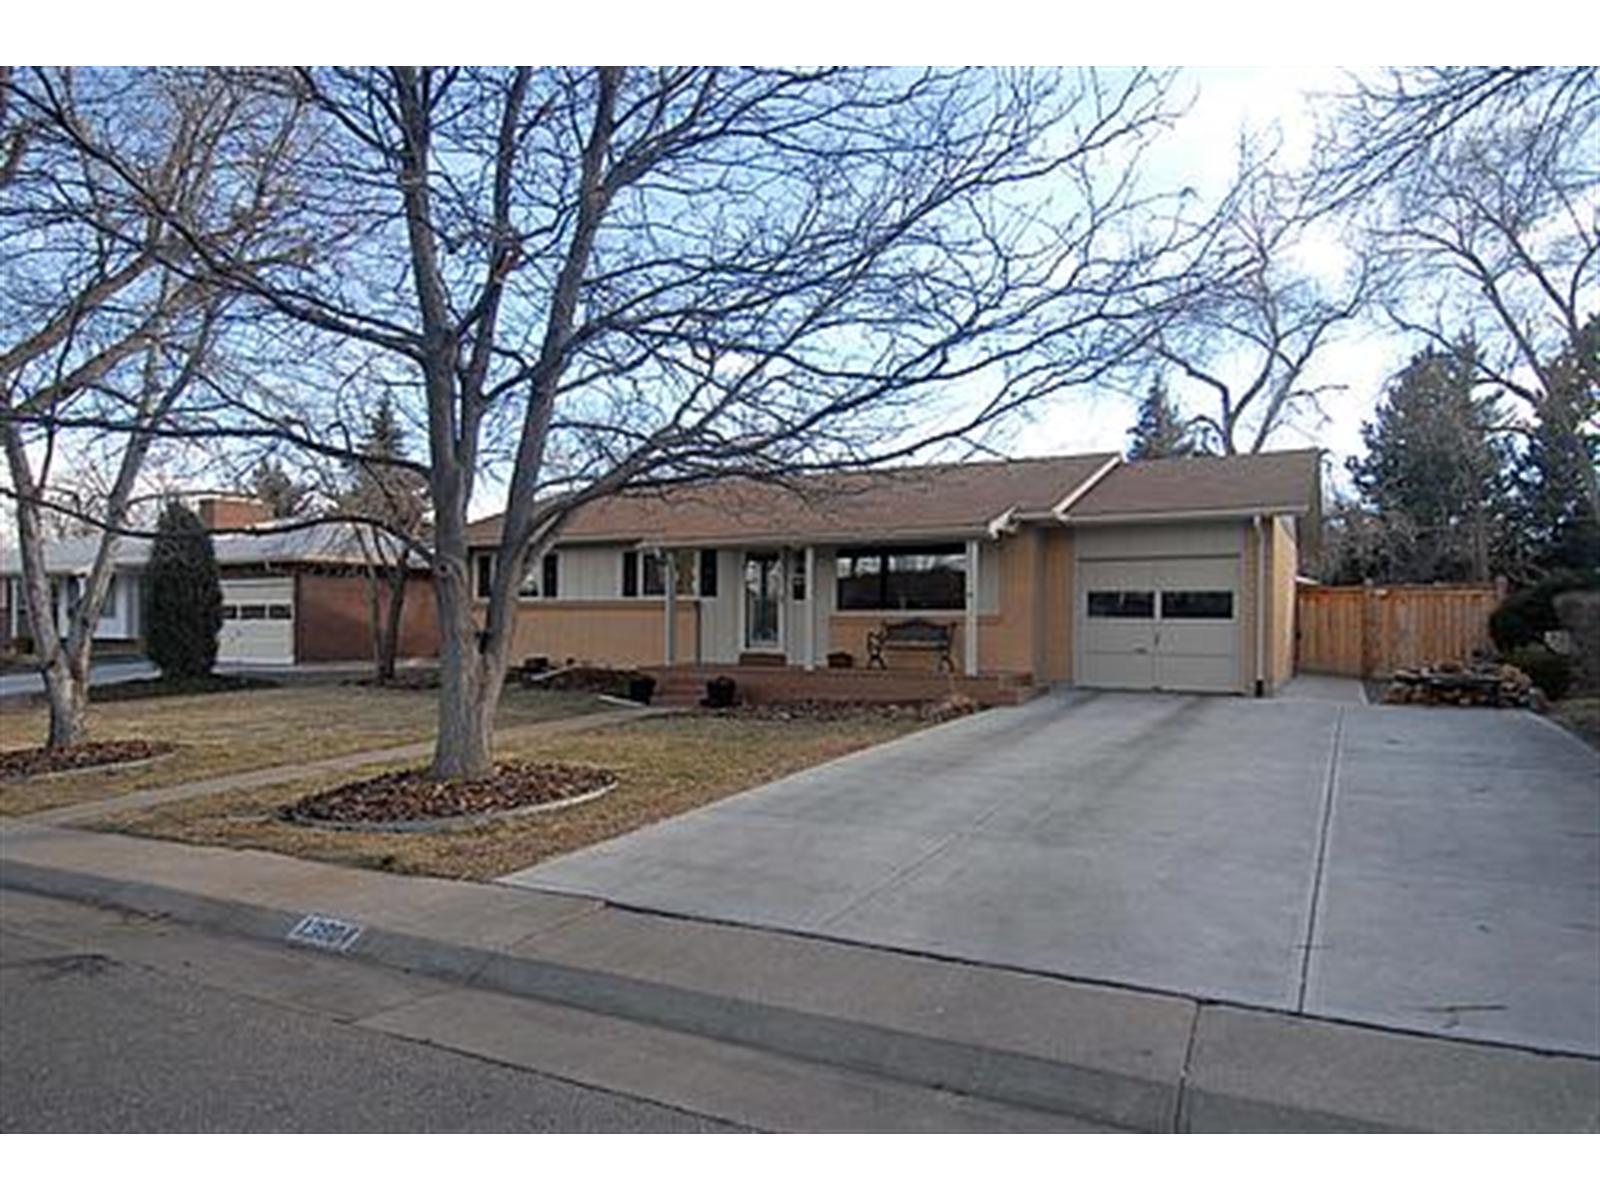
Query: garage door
[(257, 621), (1170, 623)]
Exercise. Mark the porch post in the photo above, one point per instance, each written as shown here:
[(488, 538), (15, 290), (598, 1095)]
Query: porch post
[(669, 580), (811, 608), (969, 652)]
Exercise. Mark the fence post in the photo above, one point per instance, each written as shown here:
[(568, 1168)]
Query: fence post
[(1369, 630)]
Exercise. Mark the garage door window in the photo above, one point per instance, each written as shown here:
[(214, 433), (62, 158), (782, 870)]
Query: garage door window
[(278, 612), (1197, 606), (1137, 605)]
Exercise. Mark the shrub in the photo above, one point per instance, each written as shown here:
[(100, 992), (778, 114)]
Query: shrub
[(185, 597), (1551, 672), (1524, 617)]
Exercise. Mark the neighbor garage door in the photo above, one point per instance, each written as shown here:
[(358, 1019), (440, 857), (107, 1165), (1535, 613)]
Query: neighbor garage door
[(257, 621), (1169, 622)]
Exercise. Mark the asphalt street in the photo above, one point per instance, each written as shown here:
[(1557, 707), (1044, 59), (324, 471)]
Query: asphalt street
[(90, 1042)]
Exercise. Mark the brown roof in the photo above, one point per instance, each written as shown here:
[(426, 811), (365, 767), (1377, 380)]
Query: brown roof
[(951, 498), (1279, 481), (945, 499)]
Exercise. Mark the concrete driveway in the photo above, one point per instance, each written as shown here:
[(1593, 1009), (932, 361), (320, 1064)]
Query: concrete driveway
[(1412, 868)]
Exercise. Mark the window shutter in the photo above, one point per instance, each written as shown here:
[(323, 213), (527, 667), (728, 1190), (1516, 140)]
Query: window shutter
[(630, 572), (549, 576), (708, 572)]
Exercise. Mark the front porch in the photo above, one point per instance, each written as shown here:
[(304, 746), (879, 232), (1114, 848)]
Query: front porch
[(685, 684)]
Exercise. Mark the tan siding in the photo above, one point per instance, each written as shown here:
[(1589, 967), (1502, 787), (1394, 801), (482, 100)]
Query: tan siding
[(620, 633), (1284, 566), (1058, 615)]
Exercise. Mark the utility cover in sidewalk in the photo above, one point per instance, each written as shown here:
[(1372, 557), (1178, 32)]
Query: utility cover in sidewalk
[(325, 933)]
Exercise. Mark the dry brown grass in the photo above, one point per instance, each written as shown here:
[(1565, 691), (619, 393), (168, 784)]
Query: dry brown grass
[(229, 732), (665, 766)]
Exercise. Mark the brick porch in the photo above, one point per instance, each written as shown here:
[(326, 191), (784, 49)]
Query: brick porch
[(686, 684)]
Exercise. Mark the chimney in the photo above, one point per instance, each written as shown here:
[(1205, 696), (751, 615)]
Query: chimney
[(232, 512)]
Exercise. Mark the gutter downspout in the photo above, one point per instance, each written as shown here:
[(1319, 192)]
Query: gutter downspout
[(1261, 605)]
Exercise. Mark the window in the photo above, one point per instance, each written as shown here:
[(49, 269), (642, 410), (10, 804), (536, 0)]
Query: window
[(655, 576), (230, 612), (1192, 606), (546, 581), (252, 612), (708, 572), (278, 612), (654, 581), (797, 577), (903, 578), (1122, 604), (109, 608), (485, 576)]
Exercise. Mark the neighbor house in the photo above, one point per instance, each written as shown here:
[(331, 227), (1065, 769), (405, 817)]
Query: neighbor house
[(289, 595), (1170, 574)]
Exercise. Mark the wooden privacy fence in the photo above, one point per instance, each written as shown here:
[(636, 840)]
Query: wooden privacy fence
[(1370, 631)]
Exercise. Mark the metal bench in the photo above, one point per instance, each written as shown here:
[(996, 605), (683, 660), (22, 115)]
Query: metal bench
[(922, 635)]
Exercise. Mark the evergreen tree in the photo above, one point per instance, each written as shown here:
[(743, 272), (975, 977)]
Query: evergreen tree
[(1160, 431), (1435, 474), (273, 486), (1555, 486), (185, 597)]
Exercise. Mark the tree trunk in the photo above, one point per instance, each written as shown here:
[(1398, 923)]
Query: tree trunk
[(389, 636), (374, 622), (67, 691), (469, 683)]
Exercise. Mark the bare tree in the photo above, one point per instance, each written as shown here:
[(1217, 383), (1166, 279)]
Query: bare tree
[(1482, 187), (107, 324), (616, 277), (1248, 344)]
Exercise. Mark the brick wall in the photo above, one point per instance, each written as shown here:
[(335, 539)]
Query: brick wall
[(333, 618)]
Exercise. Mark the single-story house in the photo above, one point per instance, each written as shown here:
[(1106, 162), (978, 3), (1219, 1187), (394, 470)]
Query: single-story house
[(1169, 574), (293, 595)]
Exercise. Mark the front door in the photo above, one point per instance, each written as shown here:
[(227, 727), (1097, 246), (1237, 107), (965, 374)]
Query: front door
[(763, 601)]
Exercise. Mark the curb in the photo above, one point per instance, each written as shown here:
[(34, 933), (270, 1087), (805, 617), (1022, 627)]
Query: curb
[(1008, 1077)]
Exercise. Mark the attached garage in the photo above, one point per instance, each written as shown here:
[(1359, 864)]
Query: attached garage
[(1159, 608), (257, 621)]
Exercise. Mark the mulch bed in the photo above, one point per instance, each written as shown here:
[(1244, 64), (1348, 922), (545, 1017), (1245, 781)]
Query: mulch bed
[(39, 760), (924, 711), (414, 796)]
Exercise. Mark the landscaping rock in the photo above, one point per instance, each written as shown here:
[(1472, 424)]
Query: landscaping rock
[(1480, 685)]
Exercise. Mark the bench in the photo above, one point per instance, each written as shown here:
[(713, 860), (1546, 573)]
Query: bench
[(911, 635)]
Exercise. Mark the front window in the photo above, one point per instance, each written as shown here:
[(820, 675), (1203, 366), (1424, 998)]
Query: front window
[(903, 578)]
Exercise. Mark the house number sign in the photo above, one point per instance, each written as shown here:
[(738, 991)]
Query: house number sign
[(325, 933)]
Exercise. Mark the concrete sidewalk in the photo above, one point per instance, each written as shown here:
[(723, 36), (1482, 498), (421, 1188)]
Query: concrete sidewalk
[(1111, 1056)]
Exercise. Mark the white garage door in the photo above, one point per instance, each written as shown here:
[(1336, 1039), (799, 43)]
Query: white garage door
[(257, 621), (1168, 623)]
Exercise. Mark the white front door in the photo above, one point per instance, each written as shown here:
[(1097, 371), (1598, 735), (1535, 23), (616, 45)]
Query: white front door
[(763, 600), (1165, 623), (257, 621)]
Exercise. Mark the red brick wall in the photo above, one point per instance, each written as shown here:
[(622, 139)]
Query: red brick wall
[(333, 618), (232, 512)]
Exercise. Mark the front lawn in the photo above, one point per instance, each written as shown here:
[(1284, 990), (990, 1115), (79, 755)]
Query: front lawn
[(229, 732), (664, 766)]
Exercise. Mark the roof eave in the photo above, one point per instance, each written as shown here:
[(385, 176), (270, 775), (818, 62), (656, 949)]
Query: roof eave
[(1190, 514), (1061, 507)]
